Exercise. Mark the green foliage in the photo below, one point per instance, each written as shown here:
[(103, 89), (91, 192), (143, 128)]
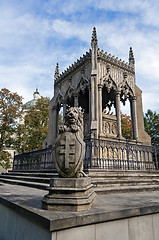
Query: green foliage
[(10, 110), (60, 120), (31, 134), (5, 159), (126, 126), (151, 122)]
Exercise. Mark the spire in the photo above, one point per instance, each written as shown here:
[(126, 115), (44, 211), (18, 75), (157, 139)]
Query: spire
[(57, 73), (131, 58), (94, 37)]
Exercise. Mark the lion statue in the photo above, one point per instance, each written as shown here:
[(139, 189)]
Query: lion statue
[(73, 121), (74, 124)]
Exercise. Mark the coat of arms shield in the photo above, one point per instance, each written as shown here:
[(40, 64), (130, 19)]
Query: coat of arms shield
[(69, 151)]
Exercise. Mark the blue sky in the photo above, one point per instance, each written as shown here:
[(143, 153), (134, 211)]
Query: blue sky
[(36, 34)]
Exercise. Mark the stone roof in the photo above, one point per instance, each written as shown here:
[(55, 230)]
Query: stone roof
[(104, 56), (100, 55), (74, 66), (114, 60)]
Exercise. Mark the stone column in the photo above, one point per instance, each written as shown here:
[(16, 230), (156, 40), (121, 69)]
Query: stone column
[(134, 117), (92, 99), (94, 106), (90, 115), (76, 100), (118, 115), (64, 111), (100, 108), (55, 122)]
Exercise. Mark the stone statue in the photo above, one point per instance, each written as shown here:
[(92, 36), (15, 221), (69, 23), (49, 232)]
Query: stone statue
[(69, 147), (72, 191), (73, 121)]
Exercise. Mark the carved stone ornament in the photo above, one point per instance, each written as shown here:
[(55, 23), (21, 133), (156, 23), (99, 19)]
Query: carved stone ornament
[(109, 83), (69, 147)]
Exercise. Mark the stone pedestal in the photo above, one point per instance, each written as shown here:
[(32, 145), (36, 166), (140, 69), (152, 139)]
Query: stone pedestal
[(69, 194)]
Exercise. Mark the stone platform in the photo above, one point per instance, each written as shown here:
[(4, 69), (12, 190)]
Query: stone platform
[(116, 216)]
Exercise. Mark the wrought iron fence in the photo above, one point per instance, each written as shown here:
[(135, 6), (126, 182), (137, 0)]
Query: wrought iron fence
[(41, 159), (115, 155), (99, 154)]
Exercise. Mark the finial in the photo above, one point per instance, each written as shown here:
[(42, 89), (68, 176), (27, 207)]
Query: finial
[(94, 37), (57, 73), (131, 57)]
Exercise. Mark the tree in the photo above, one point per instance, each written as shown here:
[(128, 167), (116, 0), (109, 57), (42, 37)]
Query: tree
[(31, 134), (126, 126), (5, 159), (10, 110), (151, 122)]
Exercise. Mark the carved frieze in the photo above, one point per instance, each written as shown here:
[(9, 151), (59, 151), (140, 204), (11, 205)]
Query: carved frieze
[(109, 125)]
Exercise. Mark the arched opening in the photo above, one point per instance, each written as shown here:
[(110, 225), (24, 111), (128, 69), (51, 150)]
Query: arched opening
[(83, 101), (109, 120), (126, 116)]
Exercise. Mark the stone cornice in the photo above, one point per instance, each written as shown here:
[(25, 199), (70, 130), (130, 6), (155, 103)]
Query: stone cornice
[(100, 55), (115, 61)]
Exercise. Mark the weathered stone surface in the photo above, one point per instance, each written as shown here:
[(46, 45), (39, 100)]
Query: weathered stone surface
[(96, 82), (118, 215), (69, 194), (69, 147)]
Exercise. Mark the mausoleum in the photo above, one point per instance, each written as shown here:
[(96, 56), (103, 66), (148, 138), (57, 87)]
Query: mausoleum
[(96, 83)]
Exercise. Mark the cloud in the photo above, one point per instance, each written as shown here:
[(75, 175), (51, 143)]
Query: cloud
[(37, 34)]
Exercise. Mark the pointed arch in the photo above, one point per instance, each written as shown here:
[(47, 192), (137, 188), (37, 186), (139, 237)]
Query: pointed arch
[(59, 99), (83, 84), (70, 92), (126, 91), (109, 83)]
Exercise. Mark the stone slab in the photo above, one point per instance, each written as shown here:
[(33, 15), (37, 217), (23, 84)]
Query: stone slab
[(27, 201)]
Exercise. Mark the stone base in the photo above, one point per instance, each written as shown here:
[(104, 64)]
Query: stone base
[(69, 194)]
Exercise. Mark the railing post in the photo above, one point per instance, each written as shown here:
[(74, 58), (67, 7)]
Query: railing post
[(127, 151), (90, 153), (14, 161), (156, 160)]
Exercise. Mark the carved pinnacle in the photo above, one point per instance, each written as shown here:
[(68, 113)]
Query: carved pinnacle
[(131, 57), (94, 37), (57, 73)]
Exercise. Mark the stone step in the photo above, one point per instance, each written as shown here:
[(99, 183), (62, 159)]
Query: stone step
[(125, 189), (103, 180), (37, 185), (124, 177), (34, 170), (96, 182), (103, 171), (98, 190), (122, 174), (34, 174), (119, 182), (26, 178)]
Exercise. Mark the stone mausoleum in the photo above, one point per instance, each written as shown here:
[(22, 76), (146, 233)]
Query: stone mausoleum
[(95, 83)]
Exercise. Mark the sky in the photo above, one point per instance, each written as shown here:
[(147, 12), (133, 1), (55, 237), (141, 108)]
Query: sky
[(36, 34)]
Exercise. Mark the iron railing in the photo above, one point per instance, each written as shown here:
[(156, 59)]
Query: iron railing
[(41, 159), (99, 154), (117, 155)]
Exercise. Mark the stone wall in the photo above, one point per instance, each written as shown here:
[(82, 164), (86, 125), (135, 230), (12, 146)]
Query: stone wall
[(14, 226)]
